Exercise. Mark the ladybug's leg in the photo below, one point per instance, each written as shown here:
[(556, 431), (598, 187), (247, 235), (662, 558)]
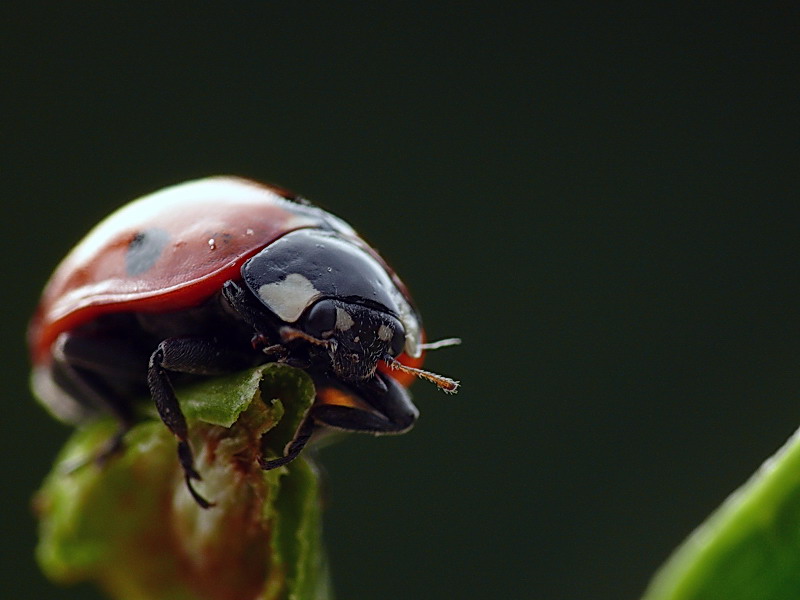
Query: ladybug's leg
[(293, 448), (379, 406), (194, 355), (94, 374)]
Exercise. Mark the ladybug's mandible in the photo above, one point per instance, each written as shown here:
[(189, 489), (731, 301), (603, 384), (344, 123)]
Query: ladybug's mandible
[(216, 275)]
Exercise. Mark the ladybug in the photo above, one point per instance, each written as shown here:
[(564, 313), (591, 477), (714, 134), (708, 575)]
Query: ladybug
[(217, 275)]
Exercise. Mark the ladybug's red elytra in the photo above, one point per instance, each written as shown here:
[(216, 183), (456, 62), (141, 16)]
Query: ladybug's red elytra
[(216, 275)]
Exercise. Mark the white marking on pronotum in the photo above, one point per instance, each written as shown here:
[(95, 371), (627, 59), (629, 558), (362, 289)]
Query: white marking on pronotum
[(289, 297), (343, 320), (385, 332)]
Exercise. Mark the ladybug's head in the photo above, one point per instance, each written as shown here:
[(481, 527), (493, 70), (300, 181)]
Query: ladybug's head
[(356, 337)]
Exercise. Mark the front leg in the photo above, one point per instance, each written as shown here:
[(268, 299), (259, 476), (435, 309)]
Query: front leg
[(380, 406), (91, 374), (193, 355)]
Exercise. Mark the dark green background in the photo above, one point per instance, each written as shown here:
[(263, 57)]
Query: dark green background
[(601, 202)]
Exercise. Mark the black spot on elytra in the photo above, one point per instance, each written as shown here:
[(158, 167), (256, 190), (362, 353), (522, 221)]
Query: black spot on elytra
[(144, 250)]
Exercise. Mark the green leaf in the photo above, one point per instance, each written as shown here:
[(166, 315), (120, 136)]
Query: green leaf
[(749, 548), (221, 400), (131, 526), (279, 382)]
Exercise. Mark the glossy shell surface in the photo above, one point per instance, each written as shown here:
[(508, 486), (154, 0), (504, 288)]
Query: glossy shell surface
[(167, 251)]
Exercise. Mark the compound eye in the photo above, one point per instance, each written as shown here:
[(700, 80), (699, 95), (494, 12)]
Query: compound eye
[(398, 341), (321, 319)]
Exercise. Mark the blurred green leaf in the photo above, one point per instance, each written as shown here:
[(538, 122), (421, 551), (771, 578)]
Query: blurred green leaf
[(131, 526), (749, 549)]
